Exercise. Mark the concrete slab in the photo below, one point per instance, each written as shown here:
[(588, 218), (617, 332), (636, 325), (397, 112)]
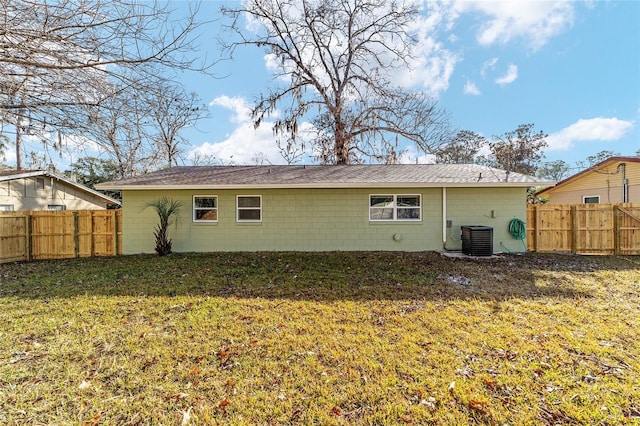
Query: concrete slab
[(461, 255)]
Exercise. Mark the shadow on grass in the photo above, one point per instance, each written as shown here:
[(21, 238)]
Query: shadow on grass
[(330, 276)]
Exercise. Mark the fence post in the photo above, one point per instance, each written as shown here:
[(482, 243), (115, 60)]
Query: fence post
[(76, 236), (538, 227), (115, 232), (574, 229), (92, 241), (27, 236), (616, 230)]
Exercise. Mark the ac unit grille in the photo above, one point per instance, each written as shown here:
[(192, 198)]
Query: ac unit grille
[(477, 240)]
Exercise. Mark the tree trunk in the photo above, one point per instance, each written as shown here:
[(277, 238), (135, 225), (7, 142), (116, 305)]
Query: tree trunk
[(341, 144), (19, 141)]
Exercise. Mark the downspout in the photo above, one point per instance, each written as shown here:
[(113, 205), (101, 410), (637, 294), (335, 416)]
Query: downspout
[(444, 217)]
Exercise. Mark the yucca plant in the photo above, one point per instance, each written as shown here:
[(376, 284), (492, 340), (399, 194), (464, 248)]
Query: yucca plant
[(166, 209)]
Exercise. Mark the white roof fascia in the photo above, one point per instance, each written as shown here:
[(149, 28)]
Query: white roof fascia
[(22, 175), (328, 185), (61, 178)]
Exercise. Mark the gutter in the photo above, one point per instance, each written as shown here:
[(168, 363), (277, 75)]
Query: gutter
[(114, 186)]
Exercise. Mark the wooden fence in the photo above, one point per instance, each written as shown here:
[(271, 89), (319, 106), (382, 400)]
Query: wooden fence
[(584, 228), (31, 235)]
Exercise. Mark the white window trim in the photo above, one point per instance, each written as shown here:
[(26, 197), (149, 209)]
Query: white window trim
[(395, 207), (248, 208), (49, 207), (584, 197), (6, 207), (193, 209)]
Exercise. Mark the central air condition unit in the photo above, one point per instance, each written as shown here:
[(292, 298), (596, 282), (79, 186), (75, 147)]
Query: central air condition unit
[(477, 240)]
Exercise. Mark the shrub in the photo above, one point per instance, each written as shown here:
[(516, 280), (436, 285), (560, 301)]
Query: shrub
[(166, 209)]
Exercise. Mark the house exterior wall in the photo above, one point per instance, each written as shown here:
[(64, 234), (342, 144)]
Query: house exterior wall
[(317, 220), (494, 207), (24, 194), (606, 183)]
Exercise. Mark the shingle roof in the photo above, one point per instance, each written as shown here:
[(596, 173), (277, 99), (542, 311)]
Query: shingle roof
[(320, 176)]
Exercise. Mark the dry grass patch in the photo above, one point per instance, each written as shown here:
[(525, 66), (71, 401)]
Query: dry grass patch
[(326, 338)]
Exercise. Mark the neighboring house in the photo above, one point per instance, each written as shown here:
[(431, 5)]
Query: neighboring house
[(42, 190), (614, 180), (324, 208)]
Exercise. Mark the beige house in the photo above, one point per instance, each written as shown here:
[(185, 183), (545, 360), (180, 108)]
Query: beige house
[(42, 190), (614, 180), (325, 208)]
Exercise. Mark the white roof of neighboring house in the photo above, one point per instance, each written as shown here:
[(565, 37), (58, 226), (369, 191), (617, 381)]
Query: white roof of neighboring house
[(326, 176), (6, 175)]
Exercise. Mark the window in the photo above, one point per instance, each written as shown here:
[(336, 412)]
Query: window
[(205, 208), (56, 207), (394, 207), (6, 207), (39, 183), (249, 208), (591, 199)]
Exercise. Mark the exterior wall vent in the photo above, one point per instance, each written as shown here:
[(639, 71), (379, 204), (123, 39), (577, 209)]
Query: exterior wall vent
[(477, 240)]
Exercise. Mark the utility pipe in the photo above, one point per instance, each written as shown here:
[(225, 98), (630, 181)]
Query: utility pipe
[(625, 184), (444, 216)]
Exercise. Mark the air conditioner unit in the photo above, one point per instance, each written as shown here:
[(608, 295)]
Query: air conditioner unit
[(477, 240)]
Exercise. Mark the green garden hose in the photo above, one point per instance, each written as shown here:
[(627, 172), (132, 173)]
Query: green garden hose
[(518, 230)]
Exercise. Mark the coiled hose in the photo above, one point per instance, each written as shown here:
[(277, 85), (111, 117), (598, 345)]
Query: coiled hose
[(518, 230)]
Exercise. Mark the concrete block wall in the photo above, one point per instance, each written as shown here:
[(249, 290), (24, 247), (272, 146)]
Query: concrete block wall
[(304, 220), (314, 220), (494, 207)]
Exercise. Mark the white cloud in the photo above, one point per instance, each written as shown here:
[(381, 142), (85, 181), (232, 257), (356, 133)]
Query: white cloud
[(245, 142), (429, 72), (412, 156), (239, 106), (593, 129), (488, 65), (509, 77), (534, 22), (242, 146), (470, 88)]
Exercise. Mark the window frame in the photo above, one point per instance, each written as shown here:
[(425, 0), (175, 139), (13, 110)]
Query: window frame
[(56, 207), (395, 208), (40, 184), (238, 209), (584, 199), (7, 207), (194, 209)]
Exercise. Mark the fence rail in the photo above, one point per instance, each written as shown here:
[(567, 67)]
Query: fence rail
[(562, 228), (32, 235), (584, 228)]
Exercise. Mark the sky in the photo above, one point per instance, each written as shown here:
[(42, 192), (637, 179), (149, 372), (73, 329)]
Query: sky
[(572, 68)]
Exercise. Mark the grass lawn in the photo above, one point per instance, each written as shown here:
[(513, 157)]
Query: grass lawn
[(325, 338)]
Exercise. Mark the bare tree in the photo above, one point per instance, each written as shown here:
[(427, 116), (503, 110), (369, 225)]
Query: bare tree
[(290, 151), (334, 58), (462, 149), (554, 170), (520, 150), (4, 140), (171, 110), (117, 130), (57, 58), (592, 160)]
